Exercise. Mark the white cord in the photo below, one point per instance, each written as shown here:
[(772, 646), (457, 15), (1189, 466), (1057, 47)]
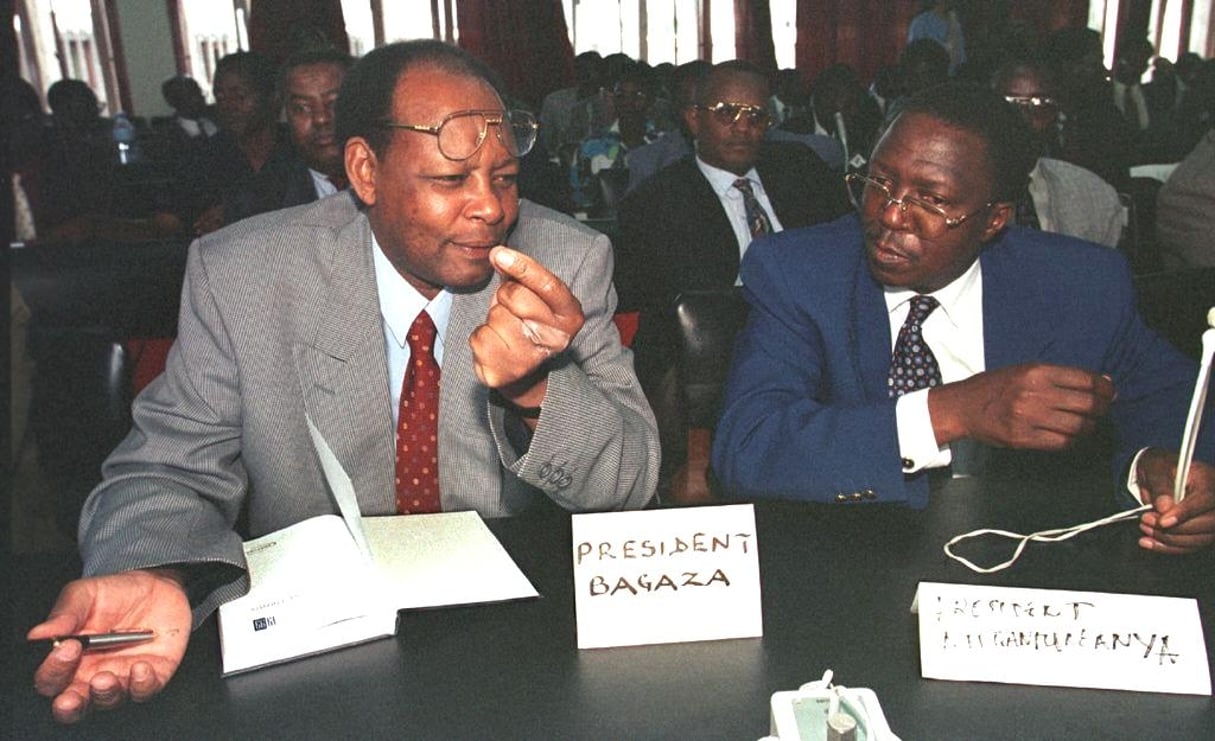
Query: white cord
[(1043, 536)]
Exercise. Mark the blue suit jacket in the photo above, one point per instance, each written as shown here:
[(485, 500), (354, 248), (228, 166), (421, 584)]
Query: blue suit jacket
[(806, 413)]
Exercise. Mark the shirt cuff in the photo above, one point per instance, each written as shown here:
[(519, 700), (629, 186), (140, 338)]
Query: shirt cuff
[(917, 441), (1132, 483)]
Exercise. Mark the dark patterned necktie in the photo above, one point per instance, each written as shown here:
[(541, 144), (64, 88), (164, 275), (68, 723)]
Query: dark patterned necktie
[(1027, 214), (417, 469), (757, 219), (338, 181), (912, 365)]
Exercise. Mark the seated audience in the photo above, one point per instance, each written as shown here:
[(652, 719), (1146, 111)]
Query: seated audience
[(190, 114), (874, 344), (788, 99), (1185, 210), (557, 108), (1195, 114), (938, 21), (675, 144), (308, 88), (73, 183), (1094, 136), (316, 312), (640, 119), (837, 94), (249, 138), (1061, 197), (1130, 63), (923, 63)]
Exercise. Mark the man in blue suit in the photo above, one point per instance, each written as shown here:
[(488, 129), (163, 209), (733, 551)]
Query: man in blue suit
[(1011, 337)]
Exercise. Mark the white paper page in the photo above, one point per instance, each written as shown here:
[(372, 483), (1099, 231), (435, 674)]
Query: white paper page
[(1062, 638), (448, 558), (342, 488), (311, 590), (666, 576)]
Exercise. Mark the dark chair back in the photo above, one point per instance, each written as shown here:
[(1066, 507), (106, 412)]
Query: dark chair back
[(81, 409), (86, 303), (1175, 304), (707, 321)]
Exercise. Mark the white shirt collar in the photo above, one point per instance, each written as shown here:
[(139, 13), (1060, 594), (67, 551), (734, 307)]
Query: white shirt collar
[(400, 302), (959, 300), (722, 181)]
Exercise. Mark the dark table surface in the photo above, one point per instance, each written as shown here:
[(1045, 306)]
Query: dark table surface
[(837, 585)]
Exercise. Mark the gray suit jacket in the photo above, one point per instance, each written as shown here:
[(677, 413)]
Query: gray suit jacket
[(280, 318), (1074, 201)]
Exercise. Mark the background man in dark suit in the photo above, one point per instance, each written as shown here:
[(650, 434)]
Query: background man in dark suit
[(1031, 337), (688, 226)]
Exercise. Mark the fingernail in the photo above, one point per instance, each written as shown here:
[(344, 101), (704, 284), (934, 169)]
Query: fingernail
[(1168, 521), (505, 257), (1147, 543)]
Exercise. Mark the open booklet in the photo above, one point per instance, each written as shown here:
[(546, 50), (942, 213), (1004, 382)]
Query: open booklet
[(333, 581)]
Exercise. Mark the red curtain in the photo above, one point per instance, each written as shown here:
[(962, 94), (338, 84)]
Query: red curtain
[(870, 34), (525, 41), (753, 33), (867, 34)]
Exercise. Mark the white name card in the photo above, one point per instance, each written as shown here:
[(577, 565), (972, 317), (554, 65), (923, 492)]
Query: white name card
[(1061, 638), (666, 576)]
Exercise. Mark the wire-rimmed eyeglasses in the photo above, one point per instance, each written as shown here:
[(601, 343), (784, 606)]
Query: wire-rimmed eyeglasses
[(1032, 102), (462, 133), (931, 219), (728, 114)]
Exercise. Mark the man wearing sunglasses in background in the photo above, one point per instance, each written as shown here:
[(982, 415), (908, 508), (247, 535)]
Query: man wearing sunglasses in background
[(1061, 197), (371, 321), (688, 226), (873, 345)]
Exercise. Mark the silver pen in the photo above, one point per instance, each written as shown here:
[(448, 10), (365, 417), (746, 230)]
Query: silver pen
[(105, 640)]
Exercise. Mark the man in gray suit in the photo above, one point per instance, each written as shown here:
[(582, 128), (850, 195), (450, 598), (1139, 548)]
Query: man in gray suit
[(305, 312)]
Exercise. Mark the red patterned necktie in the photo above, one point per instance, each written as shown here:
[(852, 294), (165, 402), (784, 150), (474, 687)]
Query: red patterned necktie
[(417, 470), (913, 366)]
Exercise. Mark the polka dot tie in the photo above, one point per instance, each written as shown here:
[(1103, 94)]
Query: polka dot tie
[(417, 470), (913, 366), (757, 219)]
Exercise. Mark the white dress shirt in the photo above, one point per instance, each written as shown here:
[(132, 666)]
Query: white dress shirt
[(722, 182), (322, 185), (954, 332), (400, 304)]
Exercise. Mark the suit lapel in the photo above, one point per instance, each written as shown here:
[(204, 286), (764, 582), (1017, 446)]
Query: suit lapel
[(870, 326), (713, 248), (343, 370), (1010, 336)]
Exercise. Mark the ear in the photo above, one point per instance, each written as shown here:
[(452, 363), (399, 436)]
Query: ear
[(691, 117), (1000, 217), (362, 167)]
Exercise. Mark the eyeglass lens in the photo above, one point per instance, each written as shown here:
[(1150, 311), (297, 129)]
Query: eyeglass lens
[(865, 190), (462, 135), (728, 114)]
